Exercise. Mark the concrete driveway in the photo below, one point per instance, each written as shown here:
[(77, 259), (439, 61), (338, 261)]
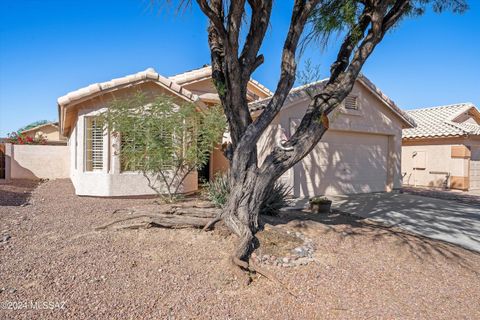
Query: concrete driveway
[(446, 220)]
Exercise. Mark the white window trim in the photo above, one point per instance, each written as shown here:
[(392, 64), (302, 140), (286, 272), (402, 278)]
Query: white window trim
[(86, 150)]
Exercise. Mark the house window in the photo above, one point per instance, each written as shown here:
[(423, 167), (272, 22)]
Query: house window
[(134, 149), (351, 103), (131, 146), (93, 144)]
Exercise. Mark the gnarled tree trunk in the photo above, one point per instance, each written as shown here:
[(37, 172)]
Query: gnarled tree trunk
[(232, 67), (242, 209)]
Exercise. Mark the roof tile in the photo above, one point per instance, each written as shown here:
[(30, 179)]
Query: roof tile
[(438, 122), (305, 91)]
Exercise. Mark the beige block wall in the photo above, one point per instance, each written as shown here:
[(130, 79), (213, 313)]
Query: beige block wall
[(39, 162), (433, 164)]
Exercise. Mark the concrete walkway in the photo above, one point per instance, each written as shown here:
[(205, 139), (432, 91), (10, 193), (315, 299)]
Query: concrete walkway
[(435, 218)]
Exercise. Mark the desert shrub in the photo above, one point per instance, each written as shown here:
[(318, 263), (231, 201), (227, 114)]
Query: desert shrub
[(163, 139), (277, 199), (22, 138), (218, 191), (320, 200)]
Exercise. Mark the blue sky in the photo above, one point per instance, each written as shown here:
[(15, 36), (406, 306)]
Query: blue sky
[(48, 48)]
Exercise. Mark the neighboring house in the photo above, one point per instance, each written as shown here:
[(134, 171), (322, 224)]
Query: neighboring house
[(95, 161), (49, 131), (444, 149), (361, 151)]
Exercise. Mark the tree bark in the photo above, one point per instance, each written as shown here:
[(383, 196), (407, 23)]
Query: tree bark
[(231, 72), (240, 214)]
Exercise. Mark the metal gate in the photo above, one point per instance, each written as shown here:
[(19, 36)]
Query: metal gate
[(475, 169), (2, 161)]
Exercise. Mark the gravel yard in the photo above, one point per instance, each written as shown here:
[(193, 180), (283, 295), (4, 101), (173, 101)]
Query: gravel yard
[(51, 253)]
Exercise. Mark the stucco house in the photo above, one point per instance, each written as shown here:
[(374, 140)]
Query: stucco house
[(50, 131), (360, 153), (95, 168), (444, 149)]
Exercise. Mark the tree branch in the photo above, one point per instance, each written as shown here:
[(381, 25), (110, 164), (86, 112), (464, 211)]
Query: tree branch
[(353, 37), (214, 16), (301, 11), (261, 12), (313, 124)]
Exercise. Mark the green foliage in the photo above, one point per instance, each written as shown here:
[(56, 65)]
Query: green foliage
[(163, 139), (419, 7), (307, 76), (333, 17), (218, 191), (277, 199), (22, 138), (221, 87)]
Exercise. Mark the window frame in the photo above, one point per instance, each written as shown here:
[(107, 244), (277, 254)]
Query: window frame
[(93, 156)]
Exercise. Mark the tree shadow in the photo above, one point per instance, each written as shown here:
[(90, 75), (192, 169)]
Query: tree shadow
[(17, 192), (352, 226), (443, 220), (461, 197)]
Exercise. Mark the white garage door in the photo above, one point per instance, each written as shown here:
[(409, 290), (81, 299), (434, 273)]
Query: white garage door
[(343, 163), (475, 169)]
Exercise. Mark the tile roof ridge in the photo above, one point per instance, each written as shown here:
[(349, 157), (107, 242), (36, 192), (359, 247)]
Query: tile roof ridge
[(461, 104)]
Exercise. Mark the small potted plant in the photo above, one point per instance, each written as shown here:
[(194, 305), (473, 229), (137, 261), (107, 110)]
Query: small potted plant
[(320, 204)]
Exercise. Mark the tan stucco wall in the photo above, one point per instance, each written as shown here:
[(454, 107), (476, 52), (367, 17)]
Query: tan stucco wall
[(51, 133), (206, 86), (110, 181), (218, 163), (438, 162), (373, 127), (39, 162), (371, 138)]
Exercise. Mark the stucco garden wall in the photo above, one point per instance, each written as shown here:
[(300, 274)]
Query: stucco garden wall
[(38, 161)]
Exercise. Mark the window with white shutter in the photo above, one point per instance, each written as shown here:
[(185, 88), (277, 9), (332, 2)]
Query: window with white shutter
[(93, 144), (351, 102)]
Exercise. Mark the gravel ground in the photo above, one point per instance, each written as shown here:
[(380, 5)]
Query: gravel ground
[(50, 253)]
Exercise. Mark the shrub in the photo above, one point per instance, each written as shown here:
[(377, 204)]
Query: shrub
[(218, 191), (277, 199), (163, 139), (320, 200), (21, 138)]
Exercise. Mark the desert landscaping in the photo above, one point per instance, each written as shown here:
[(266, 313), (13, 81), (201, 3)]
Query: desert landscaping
[(51, 251)]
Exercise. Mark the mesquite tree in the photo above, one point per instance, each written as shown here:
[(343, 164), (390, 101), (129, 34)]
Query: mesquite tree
[(235, 35)]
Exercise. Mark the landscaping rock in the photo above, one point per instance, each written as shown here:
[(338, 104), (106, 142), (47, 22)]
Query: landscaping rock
[(5, 238)]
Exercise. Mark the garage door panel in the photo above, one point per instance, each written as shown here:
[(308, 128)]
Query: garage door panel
[(343, 163)]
